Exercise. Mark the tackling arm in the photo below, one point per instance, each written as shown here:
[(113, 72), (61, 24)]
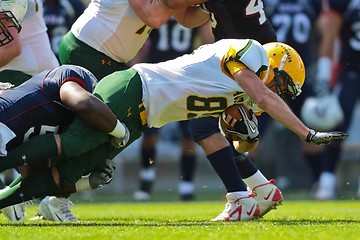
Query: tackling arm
[(153, 13), (91, 109)]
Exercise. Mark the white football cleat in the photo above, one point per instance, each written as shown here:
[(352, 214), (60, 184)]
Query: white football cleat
[(15, 213), (56, 209), (239, 209), (268, 196), (142, 196), (327, 186)]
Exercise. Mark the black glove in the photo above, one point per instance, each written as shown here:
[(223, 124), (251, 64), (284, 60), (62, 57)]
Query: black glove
[(100, 178), (121, 142), (319, 138)]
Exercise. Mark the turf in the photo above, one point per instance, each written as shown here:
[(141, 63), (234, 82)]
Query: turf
[(177, 220)]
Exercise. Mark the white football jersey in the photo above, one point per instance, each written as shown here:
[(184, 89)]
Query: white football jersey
[(199, 84), (36, 53), (113, 28)]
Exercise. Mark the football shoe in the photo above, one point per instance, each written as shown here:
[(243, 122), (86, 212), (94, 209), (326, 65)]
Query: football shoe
[(239, 209), (15, 213), (142, 196), (56, 209), (268, 196), (327, 186)]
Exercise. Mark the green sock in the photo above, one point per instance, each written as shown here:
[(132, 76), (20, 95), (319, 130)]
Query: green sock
[(16, 181), (9, 191), (37, 149)]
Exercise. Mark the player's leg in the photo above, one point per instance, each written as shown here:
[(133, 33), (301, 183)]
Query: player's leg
[(187, 163), (206, 132), (38, 149), (58, 208), (147, 172), (349, 91), (265, 192)]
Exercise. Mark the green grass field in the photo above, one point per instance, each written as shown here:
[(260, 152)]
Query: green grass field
[(191, 220)]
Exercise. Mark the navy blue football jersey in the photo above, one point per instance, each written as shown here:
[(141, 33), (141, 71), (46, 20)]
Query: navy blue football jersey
[(293, 21), (59, 15), (350, 32), (35, 107), (240, 19), (170, 41)]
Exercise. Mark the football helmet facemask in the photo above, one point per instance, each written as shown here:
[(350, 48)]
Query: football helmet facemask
[(12, 13), (286, 69)]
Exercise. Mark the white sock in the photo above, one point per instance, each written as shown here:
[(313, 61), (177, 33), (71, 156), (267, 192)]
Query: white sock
[(241, 194), (255, 180)]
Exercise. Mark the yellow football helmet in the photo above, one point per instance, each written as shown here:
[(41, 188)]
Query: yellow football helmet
[(285, 62), (13, 11)]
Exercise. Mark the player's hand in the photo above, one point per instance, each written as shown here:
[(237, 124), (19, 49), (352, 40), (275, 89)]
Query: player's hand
[(246, 128), (319, 138), (5, 85), (100, 178), (121, 142)]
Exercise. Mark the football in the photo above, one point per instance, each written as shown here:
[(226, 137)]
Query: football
[(228, 119)]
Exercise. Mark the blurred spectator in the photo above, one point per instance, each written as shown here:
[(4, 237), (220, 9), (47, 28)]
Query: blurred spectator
[(168, 42), (59, 15), (339, 23)]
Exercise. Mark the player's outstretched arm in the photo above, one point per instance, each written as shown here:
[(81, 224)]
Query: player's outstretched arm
[(272, 104)]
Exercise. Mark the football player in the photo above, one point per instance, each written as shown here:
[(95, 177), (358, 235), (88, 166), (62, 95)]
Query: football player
[(27, 52), (110, 33), (47, 103), (234, 19), (213, 77)]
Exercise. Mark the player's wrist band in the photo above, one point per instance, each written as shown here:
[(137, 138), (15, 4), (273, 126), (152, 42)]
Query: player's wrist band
[(119, 130)]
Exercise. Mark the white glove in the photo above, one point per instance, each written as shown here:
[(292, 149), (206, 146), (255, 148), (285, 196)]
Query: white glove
[(319, 138), (246, 129), (121, 142)]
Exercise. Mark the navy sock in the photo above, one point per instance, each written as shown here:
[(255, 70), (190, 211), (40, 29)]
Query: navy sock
[(245, 165), (332, 157), (314, 162), (224, 164), (187, 167), (147, 157)]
